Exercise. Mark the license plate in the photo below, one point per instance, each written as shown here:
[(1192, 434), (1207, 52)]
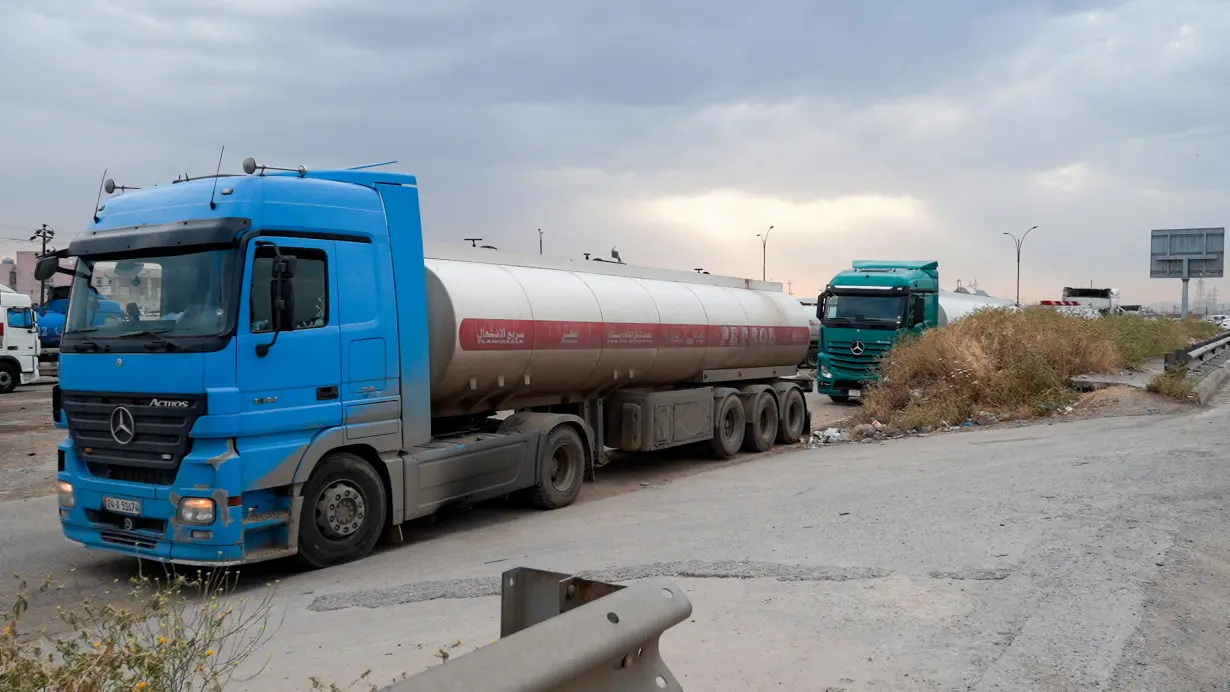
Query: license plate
[(120, 506), (856, 393)]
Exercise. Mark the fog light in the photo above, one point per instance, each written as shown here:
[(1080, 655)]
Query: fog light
[(197, 510), (824, 372), (64, 491)]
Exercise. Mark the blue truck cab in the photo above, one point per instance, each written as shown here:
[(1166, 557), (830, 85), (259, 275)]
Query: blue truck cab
[(268, 346), (863, 311)]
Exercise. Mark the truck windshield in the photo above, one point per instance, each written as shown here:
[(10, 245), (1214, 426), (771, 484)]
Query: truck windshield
[(875, 311), (180, 294)]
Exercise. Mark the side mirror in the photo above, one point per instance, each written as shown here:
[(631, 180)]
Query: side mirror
[(282, 303), (919, 311), (281, 297), (46, 268)]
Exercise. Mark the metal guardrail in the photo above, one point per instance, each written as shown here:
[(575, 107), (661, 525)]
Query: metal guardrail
[(1198, 353), (561, 633)]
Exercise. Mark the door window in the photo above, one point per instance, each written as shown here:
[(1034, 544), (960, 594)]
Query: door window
[(311, 289), (20, 318)]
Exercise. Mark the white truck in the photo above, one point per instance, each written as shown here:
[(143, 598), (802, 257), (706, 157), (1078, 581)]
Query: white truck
[(19, 348)]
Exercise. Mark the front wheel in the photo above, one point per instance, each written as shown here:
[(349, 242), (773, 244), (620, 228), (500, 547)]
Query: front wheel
[(343, 513), (839, 399), (561, 469), (9, 377)]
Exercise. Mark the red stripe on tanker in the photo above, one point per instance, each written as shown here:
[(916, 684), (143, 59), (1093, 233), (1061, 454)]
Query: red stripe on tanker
[(478, 334)]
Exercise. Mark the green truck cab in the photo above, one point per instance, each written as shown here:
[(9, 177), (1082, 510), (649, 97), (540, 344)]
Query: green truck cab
[(863, 311)]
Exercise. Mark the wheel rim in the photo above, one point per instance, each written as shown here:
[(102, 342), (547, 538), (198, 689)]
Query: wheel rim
[(6, 379), (768, 426), (341, 510), (794, 416), (729, 424), (563, 467)]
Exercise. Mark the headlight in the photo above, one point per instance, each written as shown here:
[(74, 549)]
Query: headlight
[(200, 511), (824, 372), (64, 492)]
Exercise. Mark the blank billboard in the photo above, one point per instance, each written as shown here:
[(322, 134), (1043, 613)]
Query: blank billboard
[(1202, 250)]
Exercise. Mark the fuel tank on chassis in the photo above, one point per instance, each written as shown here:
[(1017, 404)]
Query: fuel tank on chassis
[(507, 335)]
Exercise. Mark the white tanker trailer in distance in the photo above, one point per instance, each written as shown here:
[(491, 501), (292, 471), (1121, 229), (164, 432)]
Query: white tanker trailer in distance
[(314, 377)]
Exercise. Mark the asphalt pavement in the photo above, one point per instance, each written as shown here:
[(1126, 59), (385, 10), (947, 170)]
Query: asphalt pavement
[(1073, 556)]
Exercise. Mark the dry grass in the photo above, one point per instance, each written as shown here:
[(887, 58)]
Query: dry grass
[(1173, 384), (186, 635), (1012, 362)]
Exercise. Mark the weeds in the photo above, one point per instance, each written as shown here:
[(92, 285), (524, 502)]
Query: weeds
[(1015, 362), (1174, 384), (184, 634)]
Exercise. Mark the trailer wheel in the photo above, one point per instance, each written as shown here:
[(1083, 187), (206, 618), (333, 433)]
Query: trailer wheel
[(9, 377), (729, 425), (812, 360), (561, 469), (793, 417), (761, 423), (343, 513)]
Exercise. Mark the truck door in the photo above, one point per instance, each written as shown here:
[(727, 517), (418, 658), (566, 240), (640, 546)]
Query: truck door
[(21, 337), (296, 384)]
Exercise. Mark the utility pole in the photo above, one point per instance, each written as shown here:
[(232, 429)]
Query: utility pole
[(764, 251), (1018, 241), (45, 234), (540, 241)]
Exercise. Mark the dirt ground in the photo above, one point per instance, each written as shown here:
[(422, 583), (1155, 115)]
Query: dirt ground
[(28, 441)]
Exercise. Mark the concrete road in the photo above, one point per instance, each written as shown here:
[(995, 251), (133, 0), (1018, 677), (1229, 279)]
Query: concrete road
[(1088, 555)]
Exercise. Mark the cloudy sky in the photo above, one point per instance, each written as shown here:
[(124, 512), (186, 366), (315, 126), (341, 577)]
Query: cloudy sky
[(674, 130)]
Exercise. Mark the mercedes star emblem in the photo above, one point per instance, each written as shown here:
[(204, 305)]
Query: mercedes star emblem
[(119, 362), (857, 348), (128, 524), (123, 427)]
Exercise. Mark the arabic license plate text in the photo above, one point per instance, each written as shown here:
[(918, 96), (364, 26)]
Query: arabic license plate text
[(856, 393), (121, 506)]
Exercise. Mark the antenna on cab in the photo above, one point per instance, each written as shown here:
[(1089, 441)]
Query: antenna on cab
[(212, 204)]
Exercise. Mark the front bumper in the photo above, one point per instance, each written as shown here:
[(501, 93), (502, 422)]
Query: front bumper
[(153, 531)]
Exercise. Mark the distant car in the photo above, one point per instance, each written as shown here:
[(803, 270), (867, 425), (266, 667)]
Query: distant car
[(1222, 321)]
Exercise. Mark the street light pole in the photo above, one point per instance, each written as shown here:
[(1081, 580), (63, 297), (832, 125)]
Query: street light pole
[(764, 251), (1018, 241), (46, 233)]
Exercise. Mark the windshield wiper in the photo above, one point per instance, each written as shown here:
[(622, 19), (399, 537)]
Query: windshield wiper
[(87, 344), (157, 334)]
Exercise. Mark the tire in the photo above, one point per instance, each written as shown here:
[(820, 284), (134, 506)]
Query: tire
[(792, 419), (761, 423), (812, 360), (729, 426), (343, 488), (840, 399), (9, 377), (561, 469)]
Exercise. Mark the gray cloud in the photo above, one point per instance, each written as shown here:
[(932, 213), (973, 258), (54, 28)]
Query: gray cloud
[(675, 130)]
